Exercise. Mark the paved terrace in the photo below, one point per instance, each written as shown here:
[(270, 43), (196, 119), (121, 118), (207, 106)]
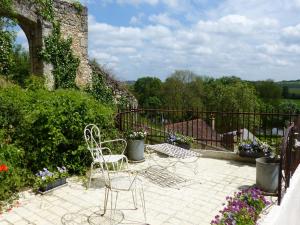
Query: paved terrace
[(192, 202)]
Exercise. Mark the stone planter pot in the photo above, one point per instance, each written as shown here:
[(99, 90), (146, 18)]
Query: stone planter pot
[(54, 184), (135, 150), (267, 172)]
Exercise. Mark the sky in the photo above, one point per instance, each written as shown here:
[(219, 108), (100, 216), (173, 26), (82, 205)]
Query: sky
[(251, 39)]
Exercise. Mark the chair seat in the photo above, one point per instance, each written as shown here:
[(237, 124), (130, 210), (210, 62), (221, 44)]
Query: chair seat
[(110, 158), (123, 182)]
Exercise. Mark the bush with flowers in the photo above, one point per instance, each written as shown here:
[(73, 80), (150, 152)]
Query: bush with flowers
[(242, 209), (13, 176), (180, 140), (45, 177), (254, 149), (136, 135)]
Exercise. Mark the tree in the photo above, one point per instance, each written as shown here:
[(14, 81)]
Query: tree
[(20, 71), (269, 92), (183, 89), (7, 38), (236, 95), (148, 87), (285, 92)]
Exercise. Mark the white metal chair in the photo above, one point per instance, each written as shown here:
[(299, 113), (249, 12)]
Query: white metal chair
[(120, 181), (100, 153)]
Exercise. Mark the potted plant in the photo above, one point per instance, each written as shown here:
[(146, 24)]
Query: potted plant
[(243, 208), (267, 168), (180, 140), (135, 145), (46, 180), (253, 149)]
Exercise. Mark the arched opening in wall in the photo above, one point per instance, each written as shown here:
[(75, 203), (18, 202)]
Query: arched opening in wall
[(14, 55)]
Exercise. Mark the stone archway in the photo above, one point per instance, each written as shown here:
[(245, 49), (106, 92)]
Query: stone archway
[(74, 24)]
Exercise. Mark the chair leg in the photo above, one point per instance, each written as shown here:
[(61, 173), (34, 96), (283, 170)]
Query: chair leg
[(143, 203), (113, 207), (91, 172), (105, 201)]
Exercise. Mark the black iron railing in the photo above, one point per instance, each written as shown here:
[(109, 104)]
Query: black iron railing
[(211, 129), (289, 158), (223, 131)]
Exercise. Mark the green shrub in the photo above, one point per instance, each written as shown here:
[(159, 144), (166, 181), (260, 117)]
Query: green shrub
[(49, 126), (15, 177)]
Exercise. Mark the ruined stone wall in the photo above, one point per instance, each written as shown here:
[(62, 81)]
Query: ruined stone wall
[(74, 24)]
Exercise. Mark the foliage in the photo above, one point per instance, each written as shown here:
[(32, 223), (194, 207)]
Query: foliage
[(13, 175), (6, 5), (288, 106), (45, 9), (7, 38), (136, 135), (242, 209), (78, 6), (230, 94), (148, 91), (272, 95), (58, 52), (44, 177), (100, 91), (183, 89), (34, 82), (176, 139), (20, 70), (49, 126), (254, 148)]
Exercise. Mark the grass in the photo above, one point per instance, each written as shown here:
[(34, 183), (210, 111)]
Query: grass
[(294, 91)]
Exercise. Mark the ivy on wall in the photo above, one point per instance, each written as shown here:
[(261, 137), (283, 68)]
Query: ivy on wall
[(58, 52), (45, 9)]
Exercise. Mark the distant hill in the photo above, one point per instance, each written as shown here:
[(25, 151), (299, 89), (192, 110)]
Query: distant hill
[(293, 88), (290, 83), (129, 82)]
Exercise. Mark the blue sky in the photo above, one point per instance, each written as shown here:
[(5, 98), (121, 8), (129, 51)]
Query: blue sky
[(251, 39)]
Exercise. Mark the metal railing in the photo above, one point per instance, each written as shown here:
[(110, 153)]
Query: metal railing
[(289, 158), (210, 129)]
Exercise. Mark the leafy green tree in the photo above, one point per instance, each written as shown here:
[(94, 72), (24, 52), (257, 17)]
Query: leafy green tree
[(20, 71), (7, 38), (148, 87), (285, 92), (288, 107), (230, 94), (269, 92), (183, 89)]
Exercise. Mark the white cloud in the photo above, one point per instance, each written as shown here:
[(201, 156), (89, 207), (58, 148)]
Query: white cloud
[(137, 20), (252, 39), (137, 2), (164, 19)]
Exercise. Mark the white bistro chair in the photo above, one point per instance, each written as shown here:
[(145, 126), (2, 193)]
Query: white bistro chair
[(102, 154), (120, 181)]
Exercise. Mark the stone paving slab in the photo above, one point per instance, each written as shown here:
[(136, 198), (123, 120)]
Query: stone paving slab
[(194, 202)]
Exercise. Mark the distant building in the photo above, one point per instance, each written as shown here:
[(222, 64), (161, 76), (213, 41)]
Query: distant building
[(198, 129)]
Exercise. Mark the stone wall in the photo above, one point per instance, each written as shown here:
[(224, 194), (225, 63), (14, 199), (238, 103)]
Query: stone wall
[(119, 90), (74, 24)]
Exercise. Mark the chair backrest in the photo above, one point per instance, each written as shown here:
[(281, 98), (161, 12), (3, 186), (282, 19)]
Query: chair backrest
[(93, 140)]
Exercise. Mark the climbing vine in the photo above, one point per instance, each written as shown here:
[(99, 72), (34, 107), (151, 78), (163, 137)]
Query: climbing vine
[(45, 9), (78, 6), (58, 52)]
